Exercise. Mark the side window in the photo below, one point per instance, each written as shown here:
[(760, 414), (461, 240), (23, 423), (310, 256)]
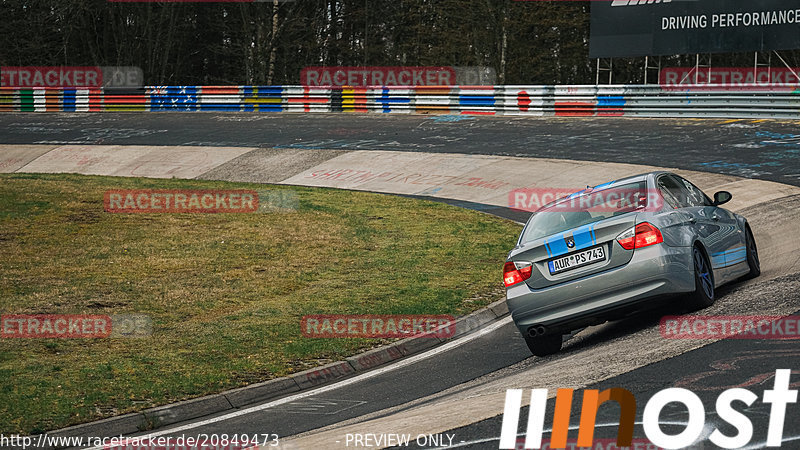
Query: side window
[(695, 196), (671, 191)]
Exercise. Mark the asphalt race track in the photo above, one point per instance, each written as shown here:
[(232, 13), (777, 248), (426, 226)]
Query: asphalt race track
[(443, 392)]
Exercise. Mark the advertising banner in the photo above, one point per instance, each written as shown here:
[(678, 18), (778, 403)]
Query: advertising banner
[(630, 28)]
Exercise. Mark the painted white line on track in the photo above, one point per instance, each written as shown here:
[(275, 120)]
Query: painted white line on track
[(706, 432), (373, 373), (571, 427), (761, 445)]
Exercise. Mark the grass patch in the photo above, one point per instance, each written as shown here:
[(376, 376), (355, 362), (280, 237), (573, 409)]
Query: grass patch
[(225, 292)]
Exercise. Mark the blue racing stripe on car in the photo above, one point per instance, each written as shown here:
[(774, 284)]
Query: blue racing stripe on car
[(717, 261), (735, 256), (583, 237), (605, 184), (576, 194), (729, 257), (557, 245)]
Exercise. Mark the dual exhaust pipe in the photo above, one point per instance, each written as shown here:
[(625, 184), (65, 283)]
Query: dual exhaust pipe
[(536, 331)]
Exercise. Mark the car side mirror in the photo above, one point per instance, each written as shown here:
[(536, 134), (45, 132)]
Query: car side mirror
[(722, 197)]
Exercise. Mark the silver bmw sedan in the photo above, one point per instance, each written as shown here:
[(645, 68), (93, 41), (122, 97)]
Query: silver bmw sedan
[(610, 249)]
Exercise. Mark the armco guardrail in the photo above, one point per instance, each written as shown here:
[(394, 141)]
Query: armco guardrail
[(776, 101)]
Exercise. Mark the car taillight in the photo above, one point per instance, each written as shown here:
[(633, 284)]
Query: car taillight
[(641, 235), (516, 272)]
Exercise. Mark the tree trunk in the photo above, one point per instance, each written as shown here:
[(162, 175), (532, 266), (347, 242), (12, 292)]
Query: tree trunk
[(501, 77), (273, 42)]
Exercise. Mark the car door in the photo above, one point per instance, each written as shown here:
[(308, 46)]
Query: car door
[(681, 220), (725, 241), (694, 220)]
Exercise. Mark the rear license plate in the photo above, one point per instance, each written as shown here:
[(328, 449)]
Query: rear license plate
[(575, 260)]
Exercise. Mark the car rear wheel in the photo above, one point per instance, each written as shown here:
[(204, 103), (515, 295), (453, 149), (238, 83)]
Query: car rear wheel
[(752, 255), (544, 345), (703, 295)]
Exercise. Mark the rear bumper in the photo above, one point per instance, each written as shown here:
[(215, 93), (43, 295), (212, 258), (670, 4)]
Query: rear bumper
[(653, 271)]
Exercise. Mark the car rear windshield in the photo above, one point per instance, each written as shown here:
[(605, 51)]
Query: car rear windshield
[(585, 208)]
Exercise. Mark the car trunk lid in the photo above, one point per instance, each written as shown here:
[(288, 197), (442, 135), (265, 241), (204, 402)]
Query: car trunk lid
[(576, 253)]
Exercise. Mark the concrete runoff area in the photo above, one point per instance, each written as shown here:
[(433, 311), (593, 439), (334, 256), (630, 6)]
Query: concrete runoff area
[(751, 148), (597, 354), (269, 165), (12, 158), (133, 161)]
